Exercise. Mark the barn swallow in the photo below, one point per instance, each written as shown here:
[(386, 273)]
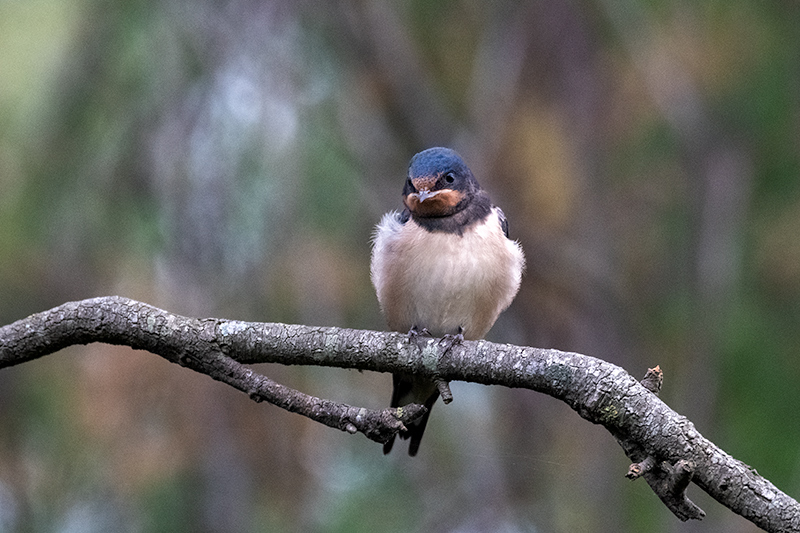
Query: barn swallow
[(444, 265)]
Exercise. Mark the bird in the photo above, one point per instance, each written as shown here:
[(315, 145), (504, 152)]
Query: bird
[(443, 265)]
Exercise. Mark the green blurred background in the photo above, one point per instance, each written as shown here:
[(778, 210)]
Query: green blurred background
[(231, 158)]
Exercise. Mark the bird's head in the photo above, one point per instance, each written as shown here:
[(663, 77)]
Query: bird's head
[(439, 184)]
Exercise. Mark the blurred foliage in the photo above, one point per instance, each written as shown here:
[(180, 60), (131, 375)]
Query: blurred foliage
[(230, 159)]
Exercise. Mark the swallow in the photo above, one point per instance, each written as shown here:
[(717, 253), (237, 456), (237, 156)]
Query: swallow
[(443, 265)]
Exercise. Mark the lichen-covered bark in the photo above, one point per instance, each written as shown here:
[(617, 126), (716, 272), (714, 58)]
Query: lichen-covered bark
[(666, 448)]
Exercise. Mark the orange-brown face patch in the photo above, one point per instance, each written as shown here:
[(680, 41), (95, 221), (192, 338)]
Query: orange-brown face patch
[(424, 182), (442, 203)]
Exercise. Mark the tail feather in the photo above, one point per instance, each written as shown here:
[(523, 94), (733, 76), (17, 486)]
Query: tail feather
[(387, 446), (411, 390), (418, 428)]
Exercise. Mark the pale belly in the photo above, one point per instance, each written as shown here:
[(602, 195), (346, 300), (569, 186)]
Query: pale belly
[(443, 281)]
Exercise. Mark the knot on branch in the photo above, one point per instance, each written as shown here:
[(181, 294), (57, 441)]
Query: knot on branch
[(653, 379), (669, 482), (254, 395), (636, 470), (381, 426), (443, 387)]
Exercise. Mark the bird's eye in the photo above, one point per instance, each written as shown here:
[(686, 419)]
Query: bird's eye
[(409, 184), (449, 177)]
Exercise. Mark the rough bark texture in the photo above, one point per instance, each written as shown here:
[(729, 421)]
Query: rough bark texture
[(666, 448)]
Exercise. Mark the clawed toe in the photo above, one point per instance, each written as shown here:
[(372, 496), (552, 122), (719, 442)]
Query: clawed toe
[(449, 340), (415, 332)]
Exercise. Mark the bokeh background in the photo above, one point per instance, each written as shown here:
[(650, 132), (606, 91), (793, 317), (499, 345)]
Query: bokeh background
[(230, 159)]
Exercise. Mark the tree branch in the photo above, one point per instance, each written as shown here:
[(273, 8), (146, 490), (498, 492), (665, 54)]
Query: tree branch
[(666, 448)]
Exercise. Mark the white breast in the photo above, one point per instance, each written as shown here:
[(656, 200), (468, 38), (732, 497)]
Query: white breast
[(443, 281)]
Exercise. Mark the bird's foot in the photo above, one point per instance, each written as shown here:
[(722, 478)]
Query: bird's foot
[(417, 336), (449, 340), (415, 332)]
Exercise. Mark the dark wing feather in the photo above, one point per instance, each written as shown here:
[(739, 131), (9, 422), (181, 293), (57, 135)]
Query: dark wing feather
[(503, 221)]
